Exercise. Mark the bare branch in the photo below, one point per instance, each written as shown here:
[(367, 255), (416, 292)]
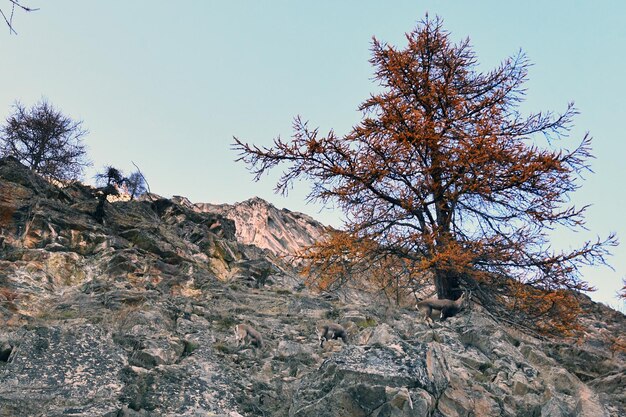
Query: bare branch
[(9, 19)]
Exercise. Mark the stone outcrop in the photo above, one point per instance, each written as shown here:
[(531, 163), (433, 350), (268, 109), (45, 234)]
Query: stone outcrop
[(135, 317)]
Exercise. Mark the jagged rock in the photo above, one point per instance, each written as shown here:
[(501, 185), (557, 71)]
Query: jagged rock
[(553, 408), (588, 405), (62, 370), (362, 381), (612, 390), (259, 223), (354, 316), (289, 349), (382, 335)]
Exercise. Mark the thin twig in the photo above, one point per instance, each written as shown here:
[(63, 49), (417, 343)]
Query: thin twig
[(9, 20), (144, 180), (27, 9)]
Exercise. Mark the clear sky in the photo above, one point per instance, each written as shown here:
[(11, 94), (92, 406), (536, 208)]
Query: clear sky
[(168, 84)]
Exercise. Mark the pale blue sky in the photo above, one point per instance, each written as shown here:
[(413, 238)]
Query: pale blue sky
[(167, 84)]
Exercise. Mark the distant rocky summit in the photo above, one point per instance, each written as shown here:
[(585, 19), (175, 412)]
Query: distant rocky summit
[(135, 317), (257, 222)]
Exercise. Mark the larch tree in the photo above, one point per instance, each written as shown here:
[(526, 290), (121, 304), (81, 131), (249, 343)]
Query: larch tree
[(445, 174), (45, 140)]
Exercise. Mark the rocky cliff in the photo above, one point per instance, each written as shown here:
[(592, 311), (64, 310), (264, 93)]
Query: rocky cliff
[(135, 317), (259, 223)]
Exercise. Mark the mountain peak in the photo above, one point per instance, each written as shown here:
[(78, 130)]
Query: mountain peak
[(260, 223)]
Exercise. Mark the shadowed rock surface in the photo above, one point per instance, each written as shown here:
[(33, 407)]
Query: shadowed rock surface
[(135, 318)]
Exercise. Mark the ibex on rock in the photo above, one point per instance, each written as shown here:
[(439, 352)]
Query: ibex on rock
[(331, 331), (245, 334), (448, 308)]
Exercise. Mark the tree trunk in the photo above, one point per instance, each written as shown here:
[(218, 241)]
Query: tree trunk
[(99, 214), (447, 285)]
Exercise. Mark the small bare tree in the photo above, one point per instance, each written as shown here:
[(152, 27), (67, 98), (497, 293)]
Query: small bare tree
[(113, 182), (45, 140), (135, 185)]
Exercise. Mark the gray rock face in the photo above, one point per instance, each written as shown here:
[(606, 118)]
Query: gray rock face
[(366, 381), (135, 318), (259, 223), (61, 370)]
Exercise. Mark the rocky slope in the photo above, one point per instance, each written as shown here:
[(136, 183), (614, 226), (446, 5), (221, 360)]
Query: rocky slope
[(134, 317)]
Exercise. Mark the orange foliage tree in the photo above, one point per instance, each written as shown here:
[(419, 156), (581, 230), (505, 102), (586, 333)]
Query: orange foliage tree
[(342, 258), (444, 171)]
